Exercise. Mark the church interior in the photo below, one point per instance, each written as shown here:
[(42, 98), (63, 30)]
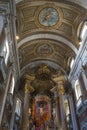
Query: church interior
[(43, 64)]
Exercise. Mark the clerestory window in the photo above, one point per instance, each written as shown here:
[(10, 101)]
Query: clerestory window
[(18, 107), (83, 31), (11, 91), (72, 62), (78, 91), (5, 51)]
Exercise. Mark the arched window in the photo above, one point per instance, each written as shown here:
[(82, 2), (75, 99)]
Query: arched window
[(18, 107), (83, 31), (5, 51), (11, 91), (72, 62), (78, 91)]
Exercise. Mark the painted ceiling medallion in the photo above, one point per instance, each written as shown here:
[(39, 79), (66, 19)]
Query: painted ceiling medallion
[(48, 16), (44, 49)]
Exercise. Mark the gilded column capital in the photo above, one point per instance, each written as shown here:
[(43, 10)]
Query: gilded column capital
[(56, 99), (61, 90), (60, 83), (28, 88)]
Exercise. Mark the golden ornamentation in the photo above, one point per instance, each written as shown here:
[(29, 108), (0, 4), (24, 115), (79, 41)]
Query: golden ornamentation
[(43, 69), (29, 77), (28, 88), (43, 73), (56, 99), (59, 79), (61, 90), (42, 98)]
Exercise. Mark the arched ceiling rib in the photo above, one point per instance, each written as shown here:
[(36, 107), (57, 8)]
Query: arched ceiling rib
[(32, 65), (45, 49), (48, 36), (82, 3)]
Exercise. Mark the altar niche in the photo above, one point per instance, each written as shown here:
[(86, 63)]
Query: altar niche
[(42, 110)]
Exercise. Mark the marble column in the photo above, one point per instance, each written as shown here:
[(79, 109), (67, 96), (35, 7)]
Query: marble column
[(72, 112), (13, 114), (56, 98), (5, 94), (28, 90), (62, 106), (57, 110)]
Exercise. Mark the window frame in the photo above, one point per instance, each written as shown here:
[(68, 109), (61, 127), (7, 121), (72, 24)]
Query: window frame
[(78, 94), (5, 50)]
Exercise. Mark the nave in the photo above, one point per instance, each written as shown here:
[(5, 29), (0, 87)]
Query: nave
[(43, 64)]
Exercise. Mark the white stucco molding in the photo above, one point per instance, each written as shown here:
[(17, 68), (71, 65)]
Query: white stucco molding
[(51, 37)]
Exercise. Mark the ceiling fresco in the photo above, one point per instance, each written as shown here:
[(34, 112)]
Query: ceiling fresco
[(48, 16), (48, 35), (31, 16), (45, 50)]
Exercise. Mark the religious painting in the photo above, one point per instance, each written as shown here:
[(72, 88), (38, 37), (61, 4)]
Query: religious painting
[(44, 49), (48, 16), (41, 109)]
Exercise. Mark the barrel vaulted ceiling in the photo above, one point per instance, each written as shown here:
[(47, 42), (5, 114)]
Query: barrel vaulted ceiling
[(48, 33)]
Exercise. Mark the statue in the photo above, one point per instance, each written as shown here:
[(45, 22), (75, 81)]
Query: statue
[(59, 77), (60, 80)]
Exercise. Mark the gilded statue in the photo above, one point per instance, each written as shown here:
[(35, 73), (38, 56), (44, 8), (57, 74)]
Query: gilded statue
[(60, 80)]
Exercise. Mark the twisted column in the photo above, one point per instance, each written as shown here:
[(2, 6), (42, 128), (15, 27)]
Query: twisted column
[(28, 90)]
